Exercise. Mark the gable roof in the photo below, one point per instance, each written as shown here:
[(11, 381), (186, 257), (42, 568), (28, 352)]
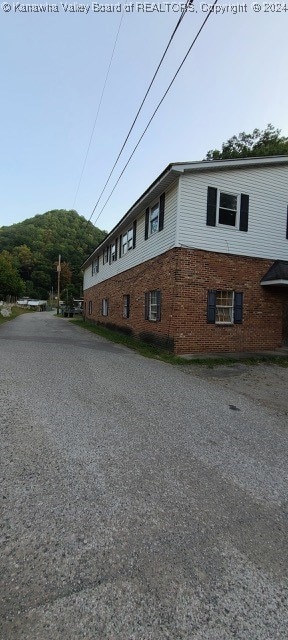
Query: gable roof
[(277, 275), (170, 174)]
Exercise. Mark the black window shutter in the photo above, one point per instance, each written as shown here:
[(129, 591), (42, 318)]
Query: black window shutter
[(103, 256), (161, 211), (238, 307), (110, 253), (211, 206), (116, 248), (134, 233), (146, 223), (120, 246), (211, 307), (158, 305), (287, 225), (147, 305), (244, 212)]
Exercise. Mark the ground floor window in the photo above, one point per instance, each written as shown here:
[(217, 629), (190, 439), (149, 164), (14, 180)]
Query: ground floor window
[(90, 307), (153, 305), (105, 306), (126, 306), (224, 307)]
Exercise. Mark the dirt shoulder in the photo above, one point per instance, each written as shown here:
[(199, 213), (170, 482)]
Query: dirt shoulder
[(266, 384)]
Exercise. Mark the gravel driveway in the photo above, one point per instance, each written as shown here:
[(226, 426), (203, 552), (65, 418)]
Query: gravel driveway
[(140, 501)]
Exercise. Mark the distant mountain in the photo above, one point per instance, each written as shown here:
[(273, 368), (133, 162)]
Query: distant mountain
[(35, 245)]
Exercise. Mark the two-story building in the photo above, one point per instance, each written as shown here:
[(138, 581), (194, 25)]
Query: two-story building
[(200, 262)]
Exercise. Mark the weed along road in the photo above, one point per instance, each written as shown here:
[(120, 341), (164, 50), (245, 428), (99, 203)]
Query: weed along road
[(140, 501)]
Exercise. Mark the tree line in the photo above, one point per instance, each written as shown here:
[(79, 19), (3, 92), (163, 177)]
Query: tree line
[(29, 253)]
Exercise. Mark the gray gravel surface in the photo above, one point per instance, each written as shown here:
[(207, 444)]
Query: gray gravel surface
[(140, 501)]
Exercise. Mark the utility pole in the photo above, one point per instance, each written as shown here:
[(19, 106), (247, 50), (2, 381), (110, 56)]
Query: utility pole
[(58, 283)]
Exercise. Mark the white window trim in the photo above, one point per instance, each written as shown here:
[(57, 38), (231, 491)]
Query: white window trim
[(106, 255), (223, 306), (237, 217), (126, 305), (127, 241), (153, 305), (95, 266), (153, 206), (104, 306)]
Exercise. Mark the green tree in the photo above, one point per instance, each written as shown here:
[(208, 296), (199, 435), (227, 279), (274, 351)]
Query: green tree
[(25, 260), (10, 281), (268, 142), (36, 243)]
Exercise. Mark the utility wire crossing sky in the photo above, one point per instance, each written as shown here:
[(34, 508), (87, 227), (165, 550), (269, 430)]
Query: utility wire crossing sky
[(73, 78)]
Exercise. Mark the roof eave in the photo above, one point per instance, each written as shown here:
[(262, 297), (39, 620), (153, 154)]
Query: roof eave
[(280, 282)]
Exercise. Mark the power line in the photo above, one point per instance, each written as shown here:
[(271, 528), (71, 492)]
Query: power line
[(154, 113), (184, 10), (99, 106)]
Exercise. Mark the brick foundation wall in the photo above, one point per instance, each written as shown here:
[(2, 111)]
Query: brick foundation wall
[(184, 277)]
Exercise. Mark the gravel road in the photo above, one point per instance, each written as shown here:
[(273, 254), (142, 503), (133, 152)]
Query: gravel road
[(140, 501)]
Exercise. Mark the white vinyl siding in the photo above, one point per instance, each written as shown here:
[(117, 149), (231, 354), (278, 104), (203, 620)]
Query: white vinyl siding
[(145, 249), (267, 188)]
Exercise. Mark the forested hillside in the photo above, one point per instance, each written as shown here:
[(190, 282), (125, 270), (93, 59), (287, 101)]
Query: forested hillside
[(29, 253)]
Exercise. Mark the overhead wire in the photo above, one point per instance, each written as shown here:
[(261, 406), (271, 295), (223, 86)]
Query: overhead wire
[(98, 110), (184, 11), (155, 111)]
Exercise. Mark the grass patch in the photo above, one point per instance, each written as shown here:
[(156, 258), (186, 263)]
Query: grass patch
[(150, 351), (15, 312)]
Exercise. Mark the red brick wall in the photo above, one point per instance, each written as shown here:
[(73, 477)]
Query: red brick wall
[(184, 276)]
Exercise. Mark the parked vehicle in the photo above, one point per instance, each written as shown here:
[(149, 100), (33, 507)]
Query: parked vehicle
[(74, 308)]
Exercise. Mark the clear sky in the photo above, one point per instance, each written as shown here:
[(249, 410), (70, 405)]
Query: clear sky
[(53, 66)]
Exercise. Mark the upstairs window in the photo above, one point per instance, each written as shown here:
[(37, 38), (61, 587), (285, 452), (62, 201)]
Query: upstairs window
[(113, 251), (154, 217), (95, 266), (227, 209), (106, 255), (127, 241)]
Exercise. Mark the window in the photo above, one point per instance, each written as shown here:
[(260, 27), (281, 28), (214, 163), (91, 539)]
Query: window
[(126, 306), (106, 255), (130, 239), (95, 266), (113, 251), (105, 306), (153, 305), (224, 307), (90, 307), (227, 209), (154, 217), (127, 241)]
